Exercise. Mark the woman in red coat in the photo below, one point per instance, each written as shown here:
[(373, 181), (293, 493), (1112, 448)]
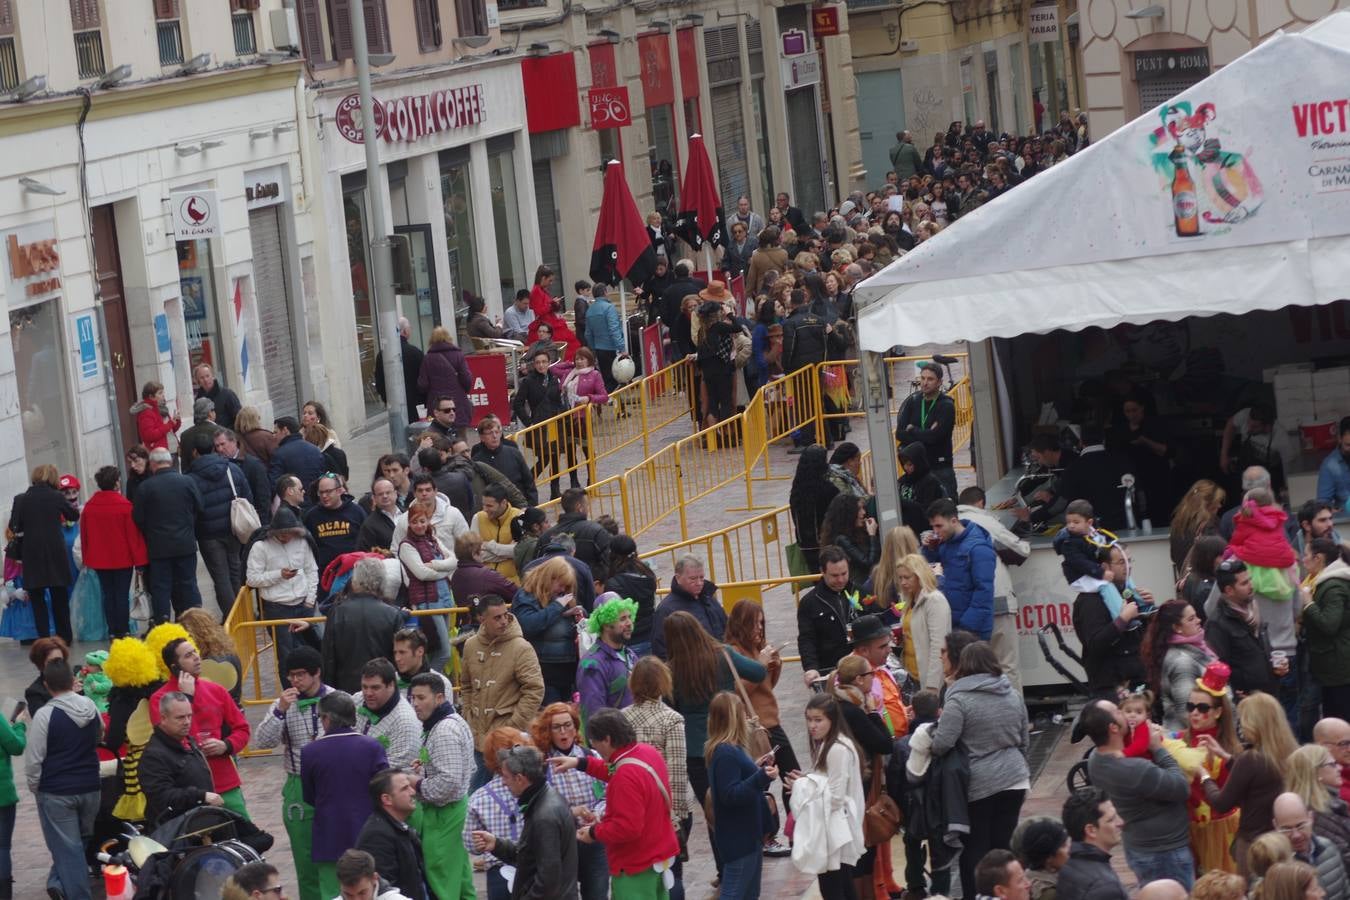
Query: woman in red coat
[(112, 546), (153, 423), (542, 304)]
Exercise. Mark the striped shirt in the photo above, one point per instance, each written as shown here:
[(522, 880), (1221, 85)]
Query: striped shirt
[(493, 809)]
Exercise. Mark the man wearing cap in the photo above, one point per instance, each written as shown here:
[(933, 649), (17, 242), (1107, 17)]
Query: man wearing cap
[(602, 674), (203, 423), (293, 723), (166, 509), (283, 571)]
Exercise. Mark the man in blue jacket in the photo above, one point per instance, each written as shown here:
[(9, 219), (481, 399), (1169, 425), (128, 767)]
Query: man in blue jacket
[(604, 335), (294, 455), (968, 563), (219, 480), (1333, 478)]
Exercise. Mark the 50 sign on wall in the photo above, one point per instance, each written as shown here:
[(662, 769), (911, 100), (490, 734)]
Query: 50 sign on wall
[(609, 108)]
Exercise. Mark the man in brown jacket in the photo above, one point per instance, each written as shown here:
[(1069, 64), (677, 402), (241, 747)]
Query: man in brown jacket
[(501, 681)]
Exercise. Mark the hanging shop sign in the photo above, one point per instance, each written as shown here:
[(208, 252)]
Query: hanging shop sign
[(1043, 24), (794, 42), (610, 108), (825, 21), (196, 215), (33, 264), (407, 119), (800, 71)]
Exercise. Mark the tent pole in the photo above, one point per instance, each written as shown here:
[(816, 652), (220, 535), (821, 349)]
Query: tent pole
[(877, 405), (707, 259), (623, 315)]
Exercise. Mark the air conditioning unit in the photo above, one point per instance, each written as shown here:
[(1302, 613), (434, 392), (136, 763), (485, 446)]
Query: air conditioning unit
[(909, 46), (285, 29)]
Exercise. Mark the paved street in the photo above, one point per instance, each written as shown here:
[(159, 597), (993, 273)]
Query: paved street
[(263, 776)]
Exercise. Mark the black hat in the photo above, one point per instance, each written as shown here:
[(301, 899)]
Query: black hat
[(306, 658), (867, 628)]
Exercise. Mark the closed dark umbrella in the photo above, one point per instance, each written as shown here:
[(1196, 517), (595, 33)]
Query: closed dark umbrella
[(622, 248), (701, 222)]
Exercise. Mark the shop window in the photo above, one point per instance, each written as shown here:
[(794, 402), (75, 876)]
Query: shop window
[(472, 17), (44, 395), (664, 163), (461, 248), (377, 26), (197, 286), (358, 257), (427, 14), (506, 222)]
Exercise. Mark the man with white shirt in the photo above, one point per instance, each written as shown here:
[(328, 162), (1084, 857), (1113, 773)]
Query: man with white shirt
[(1007, 546), (448, 522)]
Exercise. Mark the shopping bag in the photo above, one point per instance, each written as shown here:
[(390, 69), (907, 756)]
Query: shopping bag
[(141, 609), (796, 563), (17, 620), (86, 609)]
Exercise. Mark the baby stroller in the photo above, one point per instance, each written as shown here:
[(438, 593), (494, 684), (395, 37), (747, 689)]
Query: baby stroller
[(188, 856)]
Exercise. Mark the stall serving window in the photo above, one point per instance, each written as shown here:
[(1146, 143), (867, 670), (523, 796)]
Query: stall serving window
[(460, 247)]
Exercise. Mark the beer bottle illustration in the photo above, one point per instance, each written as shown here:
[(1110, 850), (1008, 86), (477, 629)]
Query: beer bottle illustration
[(1185, 206)]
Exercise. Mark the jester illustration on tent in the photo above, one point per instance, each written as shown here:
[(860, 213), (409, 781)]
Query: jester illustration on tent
[(1229, 183)]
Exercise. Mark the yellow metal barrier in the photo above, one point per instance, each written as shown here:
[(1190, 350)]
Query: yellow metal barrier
[(749, 550)]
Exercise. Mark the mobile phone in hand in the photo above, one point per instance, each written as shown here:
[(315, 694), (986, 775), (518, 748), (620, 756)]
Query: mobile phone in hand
[(19, 707)]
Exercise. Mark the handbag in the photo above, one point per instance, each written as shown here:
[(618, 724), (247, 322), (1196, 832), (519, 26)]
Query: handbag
[(797, 565), (758, 743), (140, 603), (881, 819), (244, 519)]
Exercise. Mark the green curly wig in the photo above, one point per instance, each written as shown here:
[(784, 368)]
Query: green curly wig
[(609, 612)]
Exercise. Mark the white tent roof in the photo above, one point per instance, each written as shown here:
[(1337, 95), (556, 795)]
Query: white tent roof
[(1094, 240)]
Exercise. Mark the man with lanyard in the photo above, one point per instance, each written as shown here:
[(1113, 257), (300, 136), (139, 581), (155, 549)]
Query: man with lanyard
[(410, 658), (602, 675), (442, 773), (213, 714), (384, 714), (824, 616), (928, 418), (293, 722)]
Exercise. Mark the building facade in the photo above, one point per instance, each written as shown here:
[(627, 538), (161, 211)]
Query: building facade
[(153, 217)]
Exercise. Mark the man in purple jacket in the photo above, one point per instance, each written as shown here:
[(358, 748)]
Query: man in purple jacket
[(329, 767), (602, 675)]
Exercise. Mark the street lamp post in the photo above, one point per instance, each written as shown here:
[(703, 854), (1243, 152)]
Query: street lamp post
[(382, 285)]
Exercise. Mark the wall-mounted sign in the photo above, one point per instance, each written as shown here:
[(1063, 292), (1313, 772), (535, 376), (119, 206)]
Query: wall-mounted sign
[(410, 118), (33, 264), (825, 21), (1153, 64), (609, 108), (85, 340), (794, 42), (494, 16), (1043, 24), (196, 214), (800, 71)]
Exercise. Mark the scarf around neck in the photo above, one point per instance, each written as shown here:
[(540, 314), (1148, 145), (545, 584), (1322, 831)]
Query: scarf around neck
[(1196, 640)]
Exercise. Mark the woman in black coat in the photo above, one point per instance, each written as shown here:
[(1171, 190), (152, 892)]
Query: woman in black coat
[(808, 499), (36, 523)]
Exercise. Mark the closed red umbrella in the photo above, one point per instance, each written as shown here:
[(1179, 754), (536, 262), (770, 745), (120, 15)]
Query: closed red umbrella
[(623, 248), (701, 220)]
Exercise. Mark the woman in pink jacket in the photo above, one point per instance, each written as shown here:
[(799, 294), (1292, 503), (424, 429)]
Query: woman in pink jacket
[(581, 386)]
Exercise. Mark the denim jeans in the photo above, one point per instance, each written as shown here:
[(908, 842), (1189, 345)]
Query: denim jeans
[(116, 587), (740, 877), (442, 654), (173, 585), (6, 841), (67, 821), (1178, 864), (592, 871), (936, 877), (285, 641), (496, 885), (221, 555), (481, 775)]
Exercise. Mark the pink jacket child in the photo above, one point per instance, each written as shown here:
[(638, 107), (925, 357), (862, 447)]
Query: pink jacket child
[(1258, 534), (584, 385)]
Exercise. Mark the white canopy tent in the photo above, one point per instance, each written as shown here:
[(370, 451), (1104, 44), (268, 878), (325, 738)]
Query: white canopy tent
[(1096, 241)]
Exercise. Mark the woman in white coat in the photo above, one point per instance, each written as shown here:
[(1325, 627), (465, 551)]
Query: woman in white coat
[(828, 803), (926, 618)]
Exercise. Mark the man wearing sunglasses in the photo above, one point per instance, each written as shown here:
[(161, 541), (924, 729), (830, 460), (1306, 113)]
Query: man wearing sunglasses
[(259, 881)]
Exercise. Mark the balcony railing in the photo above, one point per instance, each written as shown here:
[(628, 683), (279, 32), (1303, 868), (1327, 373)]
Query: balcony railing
[(170, 38), (89, 54), (245, 39), (9, 65)]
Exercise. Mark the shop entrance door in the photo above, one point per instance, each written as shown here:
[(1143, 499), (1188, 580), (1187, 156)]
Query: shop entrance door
[(108, 271), (422, 308), (274, 310)]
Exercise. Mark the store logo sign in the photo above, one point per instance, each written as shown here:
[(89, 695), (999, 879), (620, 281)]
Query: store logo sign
[(794, 42), (34, 264), (196, 215), (407, 119), (800, 71), (609, 108), (1043, 24), (825, 21)]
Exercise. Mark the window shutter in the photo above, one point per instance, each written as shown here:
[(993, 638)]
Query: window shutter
[(244, 5), (472, 15), (340, 20), (166, 9), (311, 30), (428, 15), (6, 18), (377, 26), (84, 15)]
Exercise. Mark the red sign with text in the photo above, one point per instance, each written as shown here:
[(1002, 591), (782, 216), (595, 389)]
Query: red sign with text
[(609, 108), (488, 393), (825, 21)]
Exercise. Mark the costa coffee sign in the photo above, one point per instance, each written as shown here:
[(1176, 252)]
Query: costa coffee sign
[(408, 119)]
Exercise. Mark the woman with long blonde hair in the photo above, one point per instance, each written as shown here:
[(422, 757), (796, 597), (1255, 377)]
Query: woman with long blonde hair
[(1315, 776), (1256, 776), (1292, 880), (925, 617), (737, 785), (546, 608), (1196, 515), (896, 544)]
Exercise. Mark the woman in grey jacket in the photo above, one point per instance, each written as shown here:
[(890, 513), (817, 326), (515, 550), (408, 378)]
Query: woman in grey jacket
[(984, 714), (1175, 655)]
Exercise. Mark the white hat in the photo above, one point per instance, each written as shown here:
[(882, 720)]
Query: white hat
[(847, 207), (920, 751)]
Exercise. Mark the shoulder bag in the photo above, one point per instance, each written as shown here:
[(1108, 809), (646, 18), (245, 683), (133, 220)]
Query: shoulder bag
[(244, 519), (758, 743), (881, 820)]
